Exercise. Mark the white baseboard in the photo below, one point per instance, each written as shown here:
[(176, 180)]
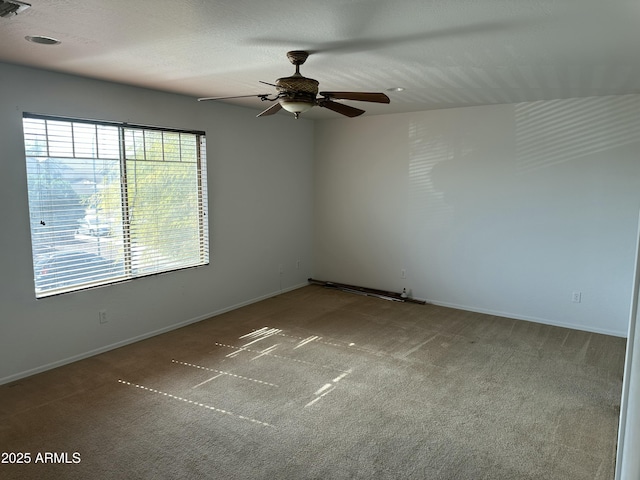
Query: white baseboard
[(544, 321), (122, 343)]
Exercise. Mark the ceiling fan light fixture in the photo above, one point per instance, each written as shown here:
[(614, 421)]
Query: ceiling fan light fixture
[(296, 106)]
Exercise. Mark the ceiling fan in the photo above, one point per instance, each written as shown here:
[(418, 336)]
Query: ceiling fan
[(298, 94)]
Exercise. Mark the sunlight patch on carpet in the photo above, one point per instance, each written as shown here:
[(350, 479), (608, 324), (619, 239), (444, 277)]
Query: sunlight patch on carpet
[(262, 352), (191, 402), (221, 372)]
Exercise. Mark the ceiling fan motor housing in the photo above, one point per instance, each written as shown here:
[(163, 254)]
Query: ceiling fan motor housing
[(297, 87)]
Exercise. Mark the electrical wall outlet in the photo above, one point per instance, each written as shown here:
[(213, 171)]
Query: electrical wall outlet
[(280, 268), (102, 316), (576, 297), (403, 273)]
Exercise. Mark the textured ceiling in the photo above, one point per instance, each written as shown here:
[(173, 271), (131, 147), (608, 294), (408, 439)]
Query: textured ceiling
[(445, 53)]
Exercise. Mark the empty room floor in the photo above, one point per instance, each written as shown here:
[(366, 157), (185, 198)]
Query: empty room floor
[(318, 384)]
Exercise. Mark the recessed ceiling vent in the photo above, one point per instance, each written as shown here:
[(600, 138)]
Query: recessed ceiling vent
[(9, 8)]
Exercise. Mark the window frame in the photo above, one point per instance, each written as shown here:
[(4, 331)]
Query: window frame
[(123, 128)]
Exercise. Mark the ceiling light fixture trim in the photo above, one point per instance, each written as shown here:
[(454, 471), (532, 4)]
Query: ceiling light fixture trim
[(42, 40)]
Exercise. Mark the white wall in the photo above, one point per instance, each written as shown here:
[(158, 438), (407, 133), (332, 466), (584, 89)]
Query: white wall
[(260, 195), (503, 209), (628, 461)]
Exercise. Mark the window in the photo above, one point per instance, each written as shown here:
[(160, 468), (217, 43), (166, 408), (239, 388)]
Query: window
[(111, 202)]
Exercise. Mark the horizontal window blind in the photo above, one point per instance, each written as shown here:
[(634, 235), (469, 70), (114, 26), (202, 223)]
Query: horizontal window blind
[(110, 202)]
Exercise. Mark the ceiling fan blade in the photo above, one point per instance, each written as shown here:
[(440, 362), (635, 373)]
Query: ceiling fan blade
[(347, 110), (262, 97), (360, 96), (275, 108)]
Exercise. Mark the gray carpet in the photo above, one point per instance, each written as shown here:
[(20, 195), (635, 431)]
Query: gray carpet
[(320, 384)]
